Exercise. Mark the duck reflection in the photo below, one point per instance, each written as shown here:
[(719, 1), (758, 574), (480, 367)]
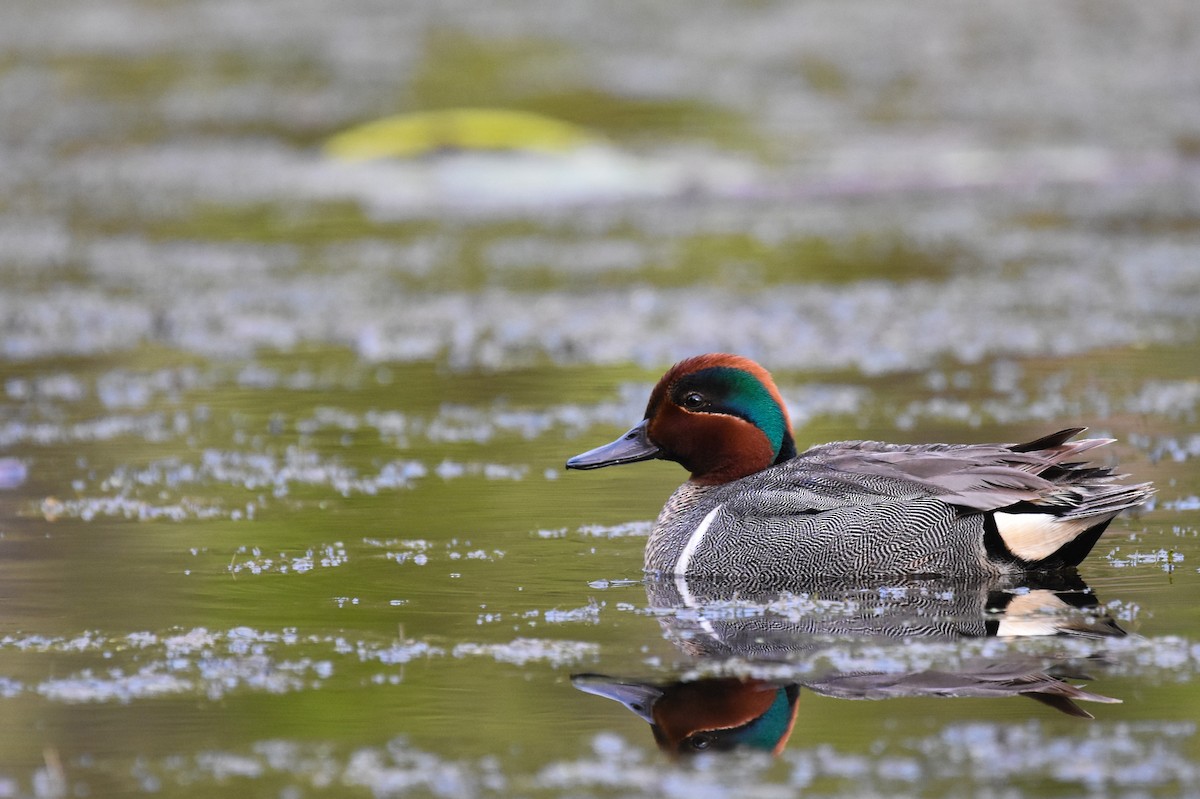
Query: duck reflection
[(776, 641)]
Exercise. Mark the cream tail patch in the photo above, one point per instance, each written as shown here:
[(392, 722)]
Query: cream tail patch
[(1034, 536)]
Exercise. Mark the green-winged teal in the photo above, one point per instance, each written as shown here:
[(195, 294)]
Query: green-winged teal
[(755, 509)]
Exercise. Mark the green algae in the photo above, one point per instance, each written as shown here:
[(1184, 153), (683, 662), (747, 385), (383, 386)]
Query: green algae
[(120, 79), (824, 75), (267, 223), (739, 261), (462, 70), (640, 120)]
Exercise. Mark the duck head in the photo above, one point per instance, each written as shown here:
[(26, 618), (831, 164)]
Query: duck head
[(718, 415)]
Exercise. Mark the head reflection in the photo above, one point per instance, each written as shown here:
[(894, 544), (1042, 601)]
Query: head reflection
[(716, 714)]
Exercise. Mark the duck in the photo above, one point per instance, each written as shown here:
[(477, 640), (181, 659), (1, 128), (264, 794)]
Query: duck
[(755, 509)]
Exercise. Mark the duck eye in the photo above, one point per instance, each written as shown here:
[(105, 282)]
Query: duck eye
[(699, 743), (693, 400)]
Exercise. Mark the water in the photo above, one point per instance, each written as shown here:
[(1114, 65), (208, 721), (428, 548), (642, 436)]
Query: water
[(282, 505)]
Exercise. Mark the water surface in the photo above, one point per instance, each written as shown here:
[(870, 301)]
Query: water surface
[(282, 506)]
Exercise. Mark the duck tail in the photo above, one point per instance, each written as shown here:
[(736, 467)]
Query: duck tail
[(1060, 527), (1063, 695)]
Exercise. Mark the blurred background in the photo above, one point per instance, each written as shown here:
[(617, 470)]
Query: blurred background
[(303, 304)]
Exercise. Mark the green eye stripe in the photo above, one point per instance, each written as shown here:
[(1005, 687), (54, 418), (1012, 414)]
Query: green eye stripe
[(739, 393)]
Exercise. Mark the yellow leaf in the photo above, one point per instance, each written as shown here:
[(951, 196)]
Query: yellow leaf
[(412, 135)]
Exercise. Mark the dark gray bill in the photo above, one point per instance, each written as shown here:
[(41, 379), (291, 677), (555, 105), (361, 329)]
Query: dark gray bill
[(629, 448), (638, 697)]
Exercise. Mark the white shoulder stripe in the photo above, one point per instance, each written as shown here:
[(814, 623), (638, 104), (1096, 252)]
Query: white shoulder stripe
[(681, 565), (685, 559)]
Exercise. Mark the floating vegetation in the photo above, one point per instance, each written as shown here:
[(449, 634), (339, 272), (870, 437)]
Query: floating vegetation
[(639, 529), (87, 509), (327, 556), (521, 651), (145, 665), (1165, 559), (275, 478), (418, 551)]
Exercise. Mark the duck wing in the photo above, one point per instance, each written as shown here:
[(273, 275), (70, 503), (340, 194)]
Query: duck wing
[(980, 679), (980, 477), (1035, 503)]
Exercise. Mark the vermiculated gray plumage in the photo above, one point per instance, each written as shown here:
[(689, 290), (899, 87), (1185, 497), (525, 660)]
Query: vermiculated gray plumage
[(869, 508)]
